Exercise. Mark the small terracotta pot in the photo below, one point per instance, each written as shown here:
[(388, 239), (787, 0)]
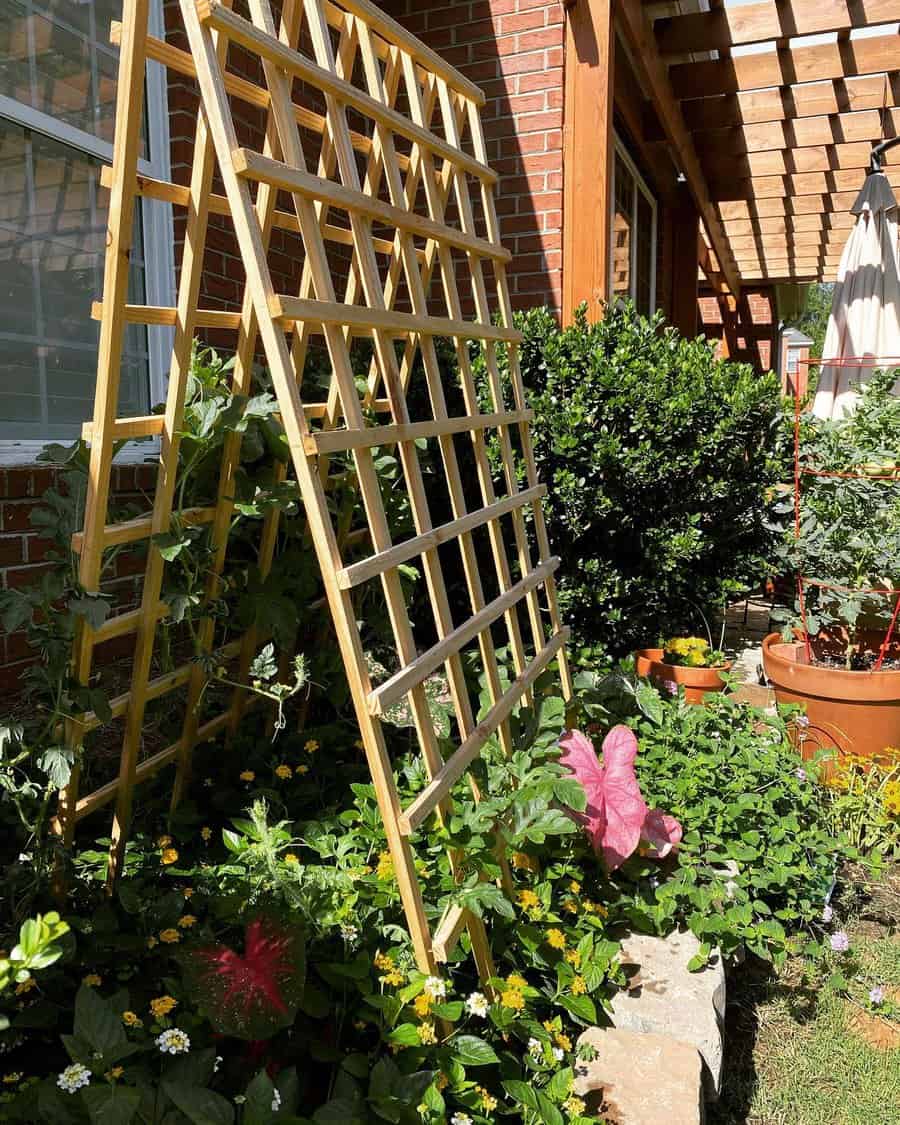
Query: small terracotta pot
[(697, 682), (854, 712)]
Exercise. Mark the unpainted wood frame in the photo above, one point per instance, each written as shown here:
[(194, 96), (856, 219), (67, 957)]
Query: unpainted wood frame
[(312, 197)]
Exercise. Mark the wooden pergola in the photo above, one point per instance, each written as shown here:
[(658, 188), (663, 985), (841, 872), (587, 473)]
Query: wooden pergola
[(781, 102)]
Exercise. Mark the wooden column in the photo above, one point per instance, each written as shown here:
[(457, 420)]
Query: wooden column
[(587, 154), (685, 269)]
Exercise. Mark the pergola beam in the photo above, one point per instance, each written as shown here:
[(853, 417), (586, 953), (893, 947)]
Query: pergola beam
[(789, 224), (793, 187), (863, 127), (758, 23), (638, 35), (788, 161), (786, 67)]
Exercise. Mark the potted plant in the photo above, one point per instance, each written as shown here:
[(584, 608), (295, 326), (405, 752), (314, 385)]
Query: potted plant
[(688, 662), (840, 653)]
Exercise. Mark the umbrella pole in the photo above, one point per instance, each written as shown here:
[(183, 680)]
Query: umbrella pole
[(878, 151)]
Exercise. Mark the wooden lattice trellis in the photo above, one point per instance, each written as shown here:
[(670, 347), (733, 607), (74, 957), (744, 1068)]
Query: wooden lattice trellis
[(413, 166)]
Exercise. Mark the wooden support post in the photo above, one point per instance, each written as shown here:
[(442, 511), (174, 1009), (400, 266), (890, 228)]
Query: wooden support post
[(685, 268), (587, 155)]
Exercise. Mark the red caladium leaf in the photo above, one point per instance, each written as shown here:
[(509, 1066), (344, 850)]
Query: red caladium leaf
[(616, 816), (254, 995)]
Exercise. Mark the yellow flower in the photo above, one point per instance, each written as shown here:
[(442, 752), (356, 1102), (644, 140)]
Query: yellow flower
[(575, 887), (550, 1025), (283, 772), (92, 980), (186, 921), (528, 900), (311, 746), (426, 1033), (514, 980), (132, 1019), (556, 939), (594, 908), (579, 988), (116, 1072), (291, 858), (564, 1041), (488, 1101), (522, 861), (512, 998), (302, 769), (574, 1106), (13, 1077), (247, 775), (442, 1081), (152, 941), (26, 986), (570, 905), (170, 937), (573, 957), (162, 1005), (385, 868), (394, 977), (383, 961), (187, 891), (422, 1004), (164, 841), (206, 833), (170, 855)]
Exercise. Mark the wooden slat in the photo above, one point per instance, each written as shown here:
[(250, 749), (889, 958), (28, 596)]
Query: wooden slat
[(832, 203), (813, 99), (719, 162), (697, 32), (142, 425), (448, 933), (368, 568), (865, 126), (215, 15), (179, 195), (132, 531), (787, 67), (332, 441), (166, 316), (794, 188), (290, 309), (658, 85), (442, 783), (820, 239), (789, 224), (255, 166), (385, 695)]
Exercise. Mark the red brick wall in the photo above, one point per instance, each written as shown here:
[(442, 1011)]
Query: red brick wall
[(513, 49), (750, 333), (23, 550)]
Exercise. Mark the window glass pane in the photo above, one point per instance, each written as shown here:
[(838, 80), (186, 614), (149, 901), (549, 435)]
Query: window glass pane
[(643, 254), (52, 239), (55, 56), (622, 230)]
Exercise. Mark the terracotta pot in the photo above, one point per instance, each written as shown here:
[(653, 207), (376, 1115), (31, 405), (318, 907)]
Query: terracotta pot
[(697, 682), (856, 712)]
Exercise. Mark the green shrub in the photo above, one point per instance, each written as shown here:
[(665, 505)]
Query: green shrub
[(657, 457)]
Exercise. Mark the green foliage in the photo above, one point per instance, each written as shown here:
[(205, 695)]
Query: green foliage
[(39, 946), (850, 525), (657, 458), (864, 803), (813, 320)]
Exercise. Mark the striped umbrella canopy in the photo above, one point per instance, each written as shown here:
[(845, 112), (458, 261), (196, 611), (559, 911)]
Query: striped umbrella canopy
[(863, 331)]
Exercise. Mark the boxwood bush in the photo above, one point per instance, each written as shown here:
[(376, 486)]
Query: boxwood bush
[(658, 458)]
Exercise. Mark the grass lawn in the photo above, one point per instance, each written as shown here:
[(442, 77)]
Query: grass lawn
[(798, 1056)]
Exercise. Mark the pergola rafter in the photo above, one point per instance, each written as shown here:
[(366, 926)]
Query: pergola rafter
[(783, 126)]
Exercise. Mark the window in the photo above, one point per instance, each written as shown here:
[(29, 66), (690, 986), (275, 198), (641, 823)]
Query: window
[(57, 116), (632, 261)]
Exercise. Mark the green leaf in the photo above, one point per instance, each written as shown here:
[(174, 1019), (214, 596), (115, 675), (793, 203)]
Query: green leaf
[(111, 1105), (522, 1093), (341, 1111), (405, 1035), (57, 762), (581, 1007), (199, 1106), (649, 701), (92, 608), (97, 1023), (472, 1051)]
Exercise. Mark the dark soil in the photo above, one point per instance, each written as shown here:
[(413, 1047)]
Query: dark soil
[(859, 662)]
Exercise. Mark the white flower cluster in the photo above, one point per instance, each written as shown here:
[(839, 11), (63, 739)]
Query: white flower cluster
[(276, 1101), (73, 1078), (535, 1048), (460, 1119), (173, 1041), (435, 988), (349, 933), (477, 1004)]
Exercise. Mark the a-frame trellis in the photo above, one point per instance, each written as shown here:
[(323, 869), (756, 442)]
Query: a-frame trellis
[(414, 157)]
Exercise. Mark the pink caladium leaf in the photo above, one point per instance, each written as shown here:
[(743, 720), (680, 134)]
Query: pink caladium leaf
[(662, 832), (616, 816)]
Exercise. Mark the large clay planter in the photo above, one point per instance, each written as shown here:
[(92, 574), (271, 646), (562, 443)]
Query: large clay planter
[(697, 682), (855, 712)]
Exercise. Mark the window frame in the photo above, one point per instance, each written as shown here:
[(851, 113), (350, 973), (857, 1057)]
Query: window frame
[(640, 185), (156, 223)]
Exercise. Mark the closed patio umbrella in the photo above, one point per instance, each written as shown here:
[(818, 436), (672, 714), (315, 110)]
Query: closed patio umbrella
[(863, 331)]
